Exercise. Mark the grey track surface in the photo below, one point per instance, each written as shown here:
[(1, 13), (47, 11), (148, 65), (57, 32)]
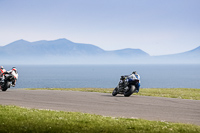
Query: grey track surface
[(150, 108)]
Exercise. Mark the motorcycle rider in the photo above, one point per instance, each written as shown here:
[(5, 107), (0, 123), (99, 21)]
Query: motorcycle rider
[(14, 74), (135, 76), (2, 70)]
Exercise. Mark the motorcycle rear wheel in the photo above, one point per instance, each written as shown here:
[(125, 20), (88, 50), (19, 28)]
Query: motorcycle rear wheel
[(6, 86), (129, 91)]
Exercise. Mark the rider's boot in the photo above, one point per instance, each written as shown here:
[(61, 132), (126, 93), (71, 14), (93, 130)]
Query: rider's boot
[(13, 84)]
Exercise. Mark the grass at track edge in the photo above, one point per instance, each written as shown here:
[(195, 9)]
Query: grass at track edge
[(19, 119), (181, 93)]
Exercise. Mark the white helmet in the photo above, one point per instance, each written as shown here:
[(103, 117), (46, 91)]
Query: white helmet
[(14, 69)]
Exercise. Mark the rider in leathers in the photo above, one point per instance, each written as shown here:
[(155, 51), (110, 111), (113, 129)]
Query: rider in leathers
[(2, 70), (135, 76)]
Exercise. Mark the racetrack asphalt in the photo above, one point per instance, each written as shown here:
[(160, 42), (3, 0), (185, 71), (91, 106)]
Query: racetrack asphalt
[(145, 107)]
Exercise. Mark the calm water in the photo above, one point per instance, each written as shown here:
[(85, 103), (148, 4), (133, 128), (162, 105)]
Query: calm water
[(107, 76)]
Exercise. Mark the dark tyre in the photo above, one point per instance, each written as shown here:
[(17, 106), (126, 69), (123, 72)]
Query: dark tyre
[(129, 91), (6, 86), (114, 93)]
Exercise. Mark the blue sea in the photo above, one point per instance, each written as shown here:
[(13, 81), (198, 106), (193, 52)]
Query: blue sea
[(106, 76)]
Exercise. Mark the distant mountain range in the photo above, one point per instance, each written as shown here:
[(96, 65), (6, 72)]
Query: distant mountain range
[(63, 51)]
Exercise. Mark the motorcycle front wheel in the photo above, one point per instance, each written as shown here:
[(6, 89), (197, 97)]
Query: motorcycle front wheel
[(114, 93)]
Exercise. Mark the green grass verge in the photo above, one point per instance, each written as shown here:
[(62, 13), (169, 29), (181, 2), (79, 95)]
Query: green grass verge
[(182, 93), (16, 119)]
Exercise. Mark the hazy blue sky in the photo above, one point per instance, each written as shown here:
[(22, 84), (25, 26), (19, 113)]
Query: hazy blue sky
[(155, 26)]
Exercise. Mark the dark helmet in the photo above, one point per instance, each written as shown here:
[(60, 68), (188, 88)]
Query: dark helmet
[(122, 78), (134, 72)]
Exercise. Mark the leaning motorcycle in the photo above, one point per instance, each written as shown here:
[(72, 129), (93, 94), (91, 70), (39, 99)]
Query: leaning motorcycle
[(6, 83), (125, 86)]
